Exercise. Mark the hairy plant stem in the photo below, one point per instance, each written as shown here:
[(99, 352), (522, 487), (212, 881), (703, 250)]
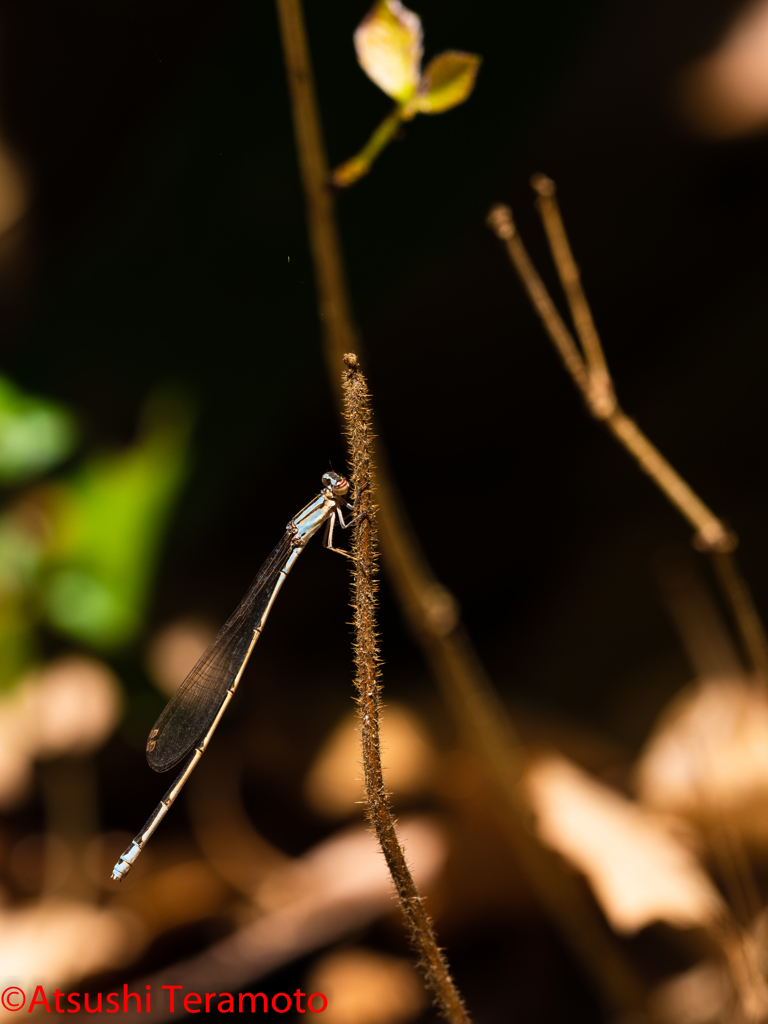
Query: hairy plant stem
[(589, 371), (357, 412), (429, 609)]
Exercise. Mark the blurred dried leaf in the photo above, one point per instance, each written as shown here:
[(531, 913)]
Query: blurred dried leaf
[(174, 650), (388, 42), (725, 94), (448, 80), (364, 987), (53, 942), (336, 888), (69, 707), (698, 996), (707, 757), (74, 703), (168, 899), (333, 786), (638, 871), (348, 868)]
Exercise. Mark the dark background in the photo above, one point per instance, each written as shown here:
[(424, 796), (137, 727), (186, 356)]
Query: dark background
[(166, 246)]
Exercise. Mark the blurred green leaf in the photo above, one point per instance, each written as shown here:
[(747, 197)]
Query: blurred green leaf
[(108, 525), (448, 80), (18, 641), (388, 42), (35, 434), (20, 556)]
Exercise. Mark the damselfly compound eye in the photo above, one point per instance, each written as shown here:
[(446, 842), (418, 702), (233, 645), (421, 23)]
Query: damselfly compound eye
[(336, 482)]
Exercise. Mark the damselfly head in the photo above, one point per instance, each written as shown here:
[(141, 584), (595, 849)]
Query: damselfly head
[(337, 483)]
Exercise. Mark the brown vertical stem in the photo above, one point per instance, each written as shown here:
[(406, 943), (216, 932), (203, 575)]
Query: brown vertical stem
[(357, 412), (749, 623), (339, 333), (429, 609)]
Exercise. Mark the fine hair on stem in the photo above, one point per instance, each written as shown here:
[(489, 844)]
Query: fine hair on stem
[(357, 413)]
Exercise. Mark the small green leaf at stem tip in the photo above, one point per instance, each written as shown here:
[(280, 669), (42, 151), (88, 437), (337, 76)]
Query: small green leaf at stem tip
[(448, 80), (389, 49)]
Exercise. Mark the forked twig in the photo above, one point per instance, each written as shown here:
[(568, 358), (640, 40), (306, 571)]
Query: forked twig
[(357, 412), (711, 532), (570, 278), (589, 371)]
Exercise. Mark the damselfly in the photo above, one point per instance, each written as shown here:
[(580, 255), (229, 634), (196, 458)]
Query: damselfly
[(190, 718)]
